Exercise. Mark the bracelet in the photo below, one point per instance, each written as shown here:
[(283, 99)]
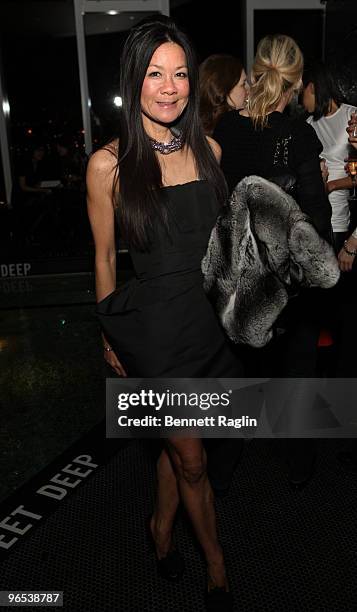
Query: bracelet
[(351, 253), (107, 348)]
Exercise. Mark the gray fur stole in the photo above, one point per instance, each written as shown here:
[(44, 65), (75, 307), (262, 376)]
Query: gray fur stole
[(262, 249)]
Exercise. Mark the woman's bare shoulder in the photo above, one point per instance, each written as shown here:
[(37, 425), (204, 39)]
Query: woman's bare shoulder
[(104, 160), (216, 148)]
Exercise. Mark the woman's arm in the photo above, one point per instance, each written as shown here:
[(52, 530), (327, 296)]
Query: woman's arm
[(345, 182), (348, 253), (100, 176), (342, 183)]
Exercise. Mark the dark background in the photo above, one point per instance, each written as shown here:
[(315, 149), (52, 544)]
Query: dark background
[(40, 72), (40, 58)]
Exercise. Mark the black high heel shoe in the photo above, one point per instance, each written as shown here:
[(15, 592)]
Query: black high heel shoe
[(219, 600), (170, 567)]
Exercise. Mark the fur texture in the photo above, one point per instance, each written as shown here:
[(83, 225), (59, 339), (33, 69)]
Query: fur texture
[(261, 250)]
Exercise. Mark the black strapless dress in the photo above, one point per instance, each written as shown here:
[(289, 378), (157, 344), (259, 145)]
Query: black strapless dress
[(161, 324)]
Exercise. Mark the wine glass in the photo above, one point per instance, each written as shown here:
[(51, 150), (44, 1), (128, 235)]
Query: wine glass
[(352, 170)]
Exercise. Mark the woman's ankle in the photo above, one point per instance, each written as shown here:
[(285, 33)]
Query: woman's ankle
[(162, 535), (217, 578), (215, 557), (216, 571)]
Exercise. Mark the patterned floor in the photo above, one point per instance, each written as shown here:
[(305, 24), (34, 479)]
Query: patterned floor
[(285, 551)]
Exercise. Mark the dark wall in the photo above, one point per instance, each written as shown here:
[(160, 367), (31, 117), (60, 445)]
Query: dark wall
[(341, 51), (212, 29), (306, 27)]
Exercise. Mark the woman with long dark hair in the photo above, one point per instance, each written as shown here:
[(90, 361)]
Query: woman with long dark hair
[(162, 181), (329, 117)]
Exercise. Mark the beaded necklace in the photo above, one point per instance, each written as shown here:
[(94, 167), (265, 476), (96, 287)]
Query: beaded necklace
[(167, 147)]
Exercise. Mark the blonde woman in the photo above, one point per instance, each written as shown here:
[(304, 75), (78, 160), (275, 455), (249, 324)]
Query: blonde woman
[(262, 140)]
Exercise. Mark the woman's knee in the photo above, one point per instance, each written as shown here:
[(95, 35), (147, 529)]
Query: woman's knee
[(193, 470), (189, 460)]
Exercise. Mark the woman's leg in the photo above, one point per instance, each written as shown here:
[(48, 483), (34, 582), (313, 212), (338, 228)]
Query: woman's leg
[(167, 501), (189, 459)]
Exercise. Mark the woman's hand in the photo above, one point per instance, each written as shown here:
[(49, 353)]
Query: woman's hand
[(324, 169), (330, 186), (347, 254), (111, 358)]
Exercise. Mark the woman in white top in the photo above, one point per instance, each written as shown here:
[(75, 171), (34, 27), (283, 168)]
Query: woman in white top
[(329, 117)]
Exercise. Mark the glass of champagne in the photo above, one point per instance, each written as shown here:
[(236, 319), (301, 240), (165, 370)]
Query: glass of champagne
[(352, 170)]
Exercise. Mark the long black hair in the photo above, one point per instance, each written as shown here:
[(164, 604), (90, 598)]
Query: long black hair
[(138, 171), (326, 89)]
